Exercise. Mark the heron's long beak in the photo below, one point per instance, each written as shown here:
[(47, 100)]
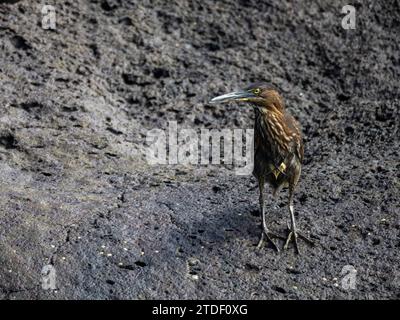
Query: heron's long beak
[(234, 96)]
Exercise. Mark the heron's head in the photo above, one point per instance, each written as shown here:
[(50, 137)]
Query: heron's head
[(258, 94)]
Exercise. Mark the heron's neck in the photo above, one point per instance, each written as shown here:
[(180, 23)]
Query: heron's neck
[(269, 125)]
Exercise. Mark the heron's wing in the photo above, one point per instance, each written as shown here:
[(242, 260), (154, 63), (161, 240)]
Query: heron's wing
[(296, 135)]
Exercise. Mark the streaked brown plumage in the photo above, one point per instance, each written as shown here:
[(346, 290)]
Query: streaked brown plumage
[(278, 150)]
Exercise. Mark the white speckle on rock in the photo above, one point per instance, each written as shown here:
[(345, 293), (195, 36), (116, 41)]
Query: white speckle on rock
[(195, 277)]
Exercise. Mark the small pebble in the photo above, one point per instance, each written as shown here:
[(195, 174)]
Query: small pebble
[(324, 279), (334, 279), (195, 277), (156, 251), (109, 254), (192, 261), (101, 252), (63, 258), (126, 249), (142, 253), (103, 246), (294, 287), (120, 264), (336, 285), (53, 246)]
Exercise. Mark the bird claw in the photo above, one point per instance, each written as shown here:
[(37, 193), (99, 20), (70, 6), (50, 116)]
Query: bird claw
[(294, 234), (268, 235)]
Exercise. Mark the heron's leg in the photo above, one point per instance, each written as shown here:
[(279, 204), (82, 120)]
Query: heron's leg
[(265, 234), (293, 232)]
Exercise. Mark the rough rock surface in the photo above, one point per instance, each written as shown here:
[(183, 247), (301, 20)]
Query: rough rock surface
[(77, 193)]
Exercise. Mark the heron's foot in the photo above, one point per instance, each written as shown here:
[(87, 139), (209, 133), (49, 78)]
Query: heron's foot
[(293, 236), (266, 236)]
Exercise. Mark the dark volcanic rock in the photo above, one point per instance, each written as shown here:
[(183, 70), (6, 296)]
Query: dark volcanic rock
[(77, 194)]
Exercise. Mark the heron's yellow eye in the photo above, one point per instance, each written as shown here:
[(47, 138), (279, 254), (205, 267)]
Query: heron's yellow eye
[(256, 91)]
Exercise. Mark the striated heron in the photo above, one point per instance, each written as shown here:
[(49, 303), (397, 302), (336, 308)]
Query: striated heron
[(278, 151)]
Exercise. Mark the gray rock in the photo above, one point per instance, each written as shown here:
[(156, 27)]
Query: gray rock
[(77, 194)]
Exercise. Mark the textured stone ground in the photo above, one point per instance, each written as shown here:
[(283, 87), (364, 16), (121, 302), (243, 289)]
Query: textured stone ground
[(76, 192)]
